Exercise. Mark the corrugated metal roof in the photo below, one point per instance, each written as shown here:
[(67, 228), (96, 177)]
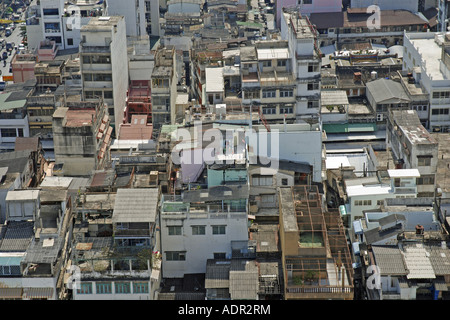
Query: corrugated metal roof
[(217, 274), (333, 97), (136, 205), (440, 260), (390, 260), (18, 236), (385, 90), (418, 263), (244, 280)]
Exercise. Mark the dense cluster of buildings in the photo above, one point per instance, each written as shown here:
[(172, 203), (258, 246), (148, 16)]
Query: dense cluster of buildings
[(227, 150)]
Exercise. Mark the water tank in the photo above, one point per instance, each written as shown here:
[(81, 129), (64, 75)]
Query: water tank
[(374, 75)]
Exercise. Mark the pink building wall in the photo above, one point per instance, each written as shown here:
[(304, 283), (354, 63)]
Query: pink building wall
[(316, 7)]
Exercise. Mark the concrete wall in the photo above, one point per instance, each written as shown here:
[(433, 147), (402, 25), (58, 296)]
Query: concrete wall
[(199, 248), (134, 16)]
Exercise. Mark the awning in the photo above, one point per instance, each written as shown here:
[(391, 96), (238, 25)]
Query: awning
[(38, 293), (10, 293)]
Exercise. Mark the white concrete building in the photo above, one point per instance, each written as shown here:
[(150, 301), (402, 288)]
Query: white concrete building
[(104, 67), (192, 233), (60, 21), (13, 119), (369, 193), (305, 62), (426, 56), (134, 15)]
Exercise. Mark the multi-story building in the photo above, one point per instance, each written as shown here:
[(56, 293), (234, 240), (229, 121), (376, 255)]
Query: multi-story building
[(193, 232), (307, 7), (344, 27), (104, 67), (426, 58), (413, 146), (81, 136), (118, 261), (134, 15), (315, 256), (13, 117), (305, 60), (164, 87), (61, 21), (23, 67)]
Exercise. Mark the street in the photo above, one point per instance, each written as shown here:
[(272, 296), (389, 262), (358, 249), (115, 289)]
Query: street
[(17, 39)]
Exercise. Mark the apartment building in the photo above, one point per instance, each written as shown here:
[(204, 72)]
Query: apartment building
[(305, 61), (61, 21), (351, 25), (164, 87), (103, 62), (316, 259), (413, 146), (81, 135), (426, 58), (306, 7), (193, 232)]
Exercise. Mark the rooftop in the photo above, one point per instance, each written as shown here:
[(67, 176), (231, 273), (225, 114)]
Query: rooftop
[(136, 205)]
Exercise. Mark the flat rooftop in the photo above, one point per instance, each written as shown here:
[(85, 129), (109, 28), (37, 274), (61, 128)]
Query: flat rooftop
[(431, 55), (79, 118)]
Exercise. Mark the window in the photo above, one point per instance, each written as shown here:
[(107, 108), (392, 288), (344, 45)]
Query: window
[(441, 94), (363, 202), (102, 77), (175, 255), (198, 230), (174, 231), (286, 93), (103, 287), (284, 182), (425, 180), (269, 110), (70, 42), (160, 83), (140, 287), (313, 67), (122, 287), (313, 86), (441, 111), (380, 202), (262, 180), (85, 288), (101, 59), (251, 95), (281, 63), (313, 104), (269, 93), (268, 198), (424, 161), (286, 110), (8, 133), (220, 255), (306, 2), (267, 63), (218, 229), (50, 12), (108, 94), (20, 132)]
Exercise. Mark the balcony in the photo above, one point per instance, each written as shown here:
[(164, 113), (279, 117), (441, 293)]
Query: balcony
[(276, 79)]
